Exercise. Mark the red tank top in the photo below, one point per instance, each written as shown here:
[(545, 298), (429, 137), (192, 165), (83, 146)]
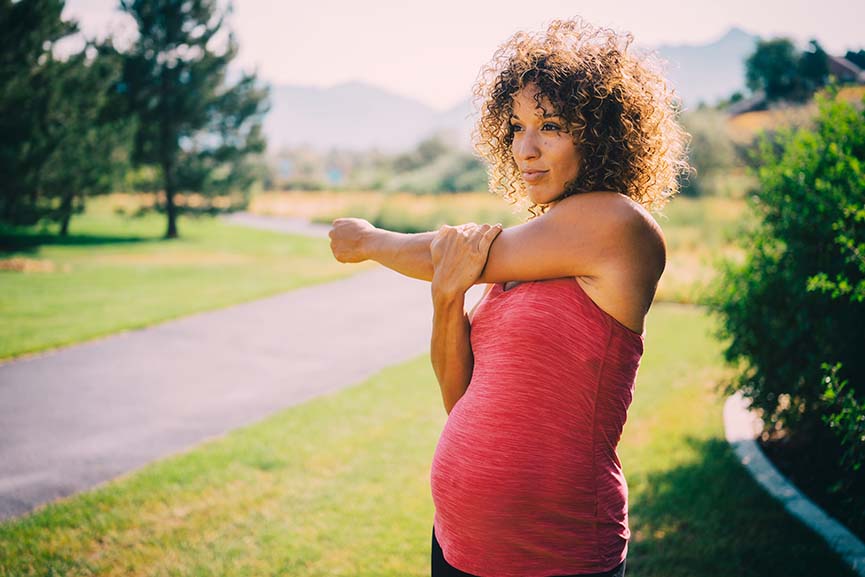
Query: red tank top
[(525, 479)]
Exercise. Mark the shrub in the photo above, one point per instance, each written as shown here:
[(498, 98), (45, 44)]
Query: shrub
[(794, 311)]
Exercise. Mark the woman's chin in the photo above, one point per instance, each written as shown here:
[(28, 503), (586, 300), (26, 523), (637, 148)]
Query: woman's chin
[(540, 196)]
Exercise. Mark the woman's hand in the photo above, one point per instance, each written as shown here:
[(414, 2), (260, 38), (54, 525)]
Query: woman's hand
[(349, 239), (459, 255)]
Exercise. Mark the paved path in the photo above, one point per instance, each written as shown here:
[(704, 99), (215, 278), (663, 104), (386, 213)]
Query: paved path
[(77, 417)]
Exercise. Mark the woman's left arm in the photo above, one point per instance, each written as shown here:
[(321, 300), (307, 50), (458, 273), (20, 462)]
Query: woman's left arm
[(458, 256), (450, 348)]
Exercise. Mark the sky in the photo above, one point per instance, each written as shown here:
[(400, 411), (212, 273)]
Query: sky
[(432, 51)]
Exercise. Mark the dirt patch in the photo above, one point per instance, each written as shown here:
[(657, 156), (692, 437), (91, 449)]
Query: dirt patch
[(21, 264)]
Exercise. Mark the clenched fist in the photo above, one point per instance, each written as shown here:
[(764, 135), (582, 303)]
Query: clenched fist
[(348, 239)]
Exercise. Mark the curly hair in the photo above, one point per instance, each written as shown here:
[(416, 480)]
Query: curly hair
[(616, 105)]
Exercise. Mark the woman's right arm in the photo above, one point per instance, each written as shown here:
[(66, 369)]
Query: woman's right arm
[(356, 240), (586, 234)]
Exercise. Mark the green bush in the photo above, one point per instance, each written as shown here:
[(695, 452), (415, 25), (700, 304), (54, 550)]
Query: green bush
[(794, 311)]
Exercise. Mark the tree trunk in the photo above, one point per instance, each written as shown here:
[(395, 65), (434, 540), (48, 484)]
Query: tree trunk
[(170, 190), (168, 151), (66, 213)]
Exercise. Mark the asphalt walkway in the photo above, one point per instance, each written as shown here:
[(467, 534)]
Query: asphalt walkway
[(76, 417)]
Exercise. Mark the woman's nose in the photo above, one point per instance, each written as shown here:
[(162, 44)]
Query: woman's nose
[(526, 145)]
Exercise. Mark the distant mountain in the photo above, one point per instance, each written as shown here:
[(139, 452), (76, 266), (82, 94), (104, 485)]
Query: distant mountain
[(354, 116), (358, 116), (709, 72)]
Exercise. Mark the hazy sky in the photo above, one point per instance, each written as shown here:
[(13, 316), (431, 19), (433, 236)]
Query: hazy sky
[(432, 51)]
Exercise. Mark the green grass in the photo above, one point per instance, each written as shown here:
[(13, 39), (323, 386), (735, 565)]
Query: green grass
[(340, 486), (114, 273)]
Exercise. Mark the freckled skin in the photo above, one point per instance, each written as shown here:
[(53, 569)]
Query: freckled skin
[(542, 144)]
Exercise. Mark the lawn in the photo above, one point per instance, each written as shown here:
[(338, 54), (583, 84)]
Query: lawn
[(339, 486), (116, 273)]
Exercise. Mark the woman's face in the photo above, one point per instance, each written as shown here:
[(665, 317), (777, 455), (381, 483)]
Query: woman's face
[(543, 149)]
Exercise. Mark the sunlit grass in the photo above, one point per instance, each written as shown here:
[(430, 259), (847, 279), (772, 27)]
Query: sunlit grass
[(114, 273), (340, 486)]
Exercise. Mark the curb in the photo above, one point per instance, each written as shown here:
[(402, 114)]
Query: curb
[(742, 428)]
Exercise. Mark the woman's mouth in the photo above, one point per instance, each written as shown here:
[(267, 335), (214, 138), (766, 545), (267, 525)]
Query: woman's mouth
[(533, 176)]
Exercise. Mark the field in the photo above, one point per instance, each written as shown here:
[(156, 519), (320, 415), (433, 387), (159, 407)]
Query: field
[(340, 486), (743, 128)]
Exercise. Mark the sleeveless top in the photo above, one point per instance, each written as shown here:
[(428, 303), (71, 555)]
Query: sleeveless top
[(525, 479)]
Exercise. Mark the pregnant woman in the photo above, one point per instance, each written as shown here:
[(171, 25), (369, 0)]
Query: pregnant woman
[(538, 378)]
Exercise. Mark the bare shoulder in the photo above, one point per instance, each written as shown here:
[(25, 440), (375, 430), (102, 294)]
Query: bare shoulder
[(593, 235), (618, 219), (634, 255)]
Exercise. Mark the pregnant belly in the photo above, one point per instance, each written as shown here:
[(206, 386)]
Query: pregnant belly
[(491, 468)]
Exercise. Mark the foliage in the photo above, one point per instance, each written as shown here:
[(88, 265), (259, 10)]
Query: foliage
[(857, 58), (813, 69), (846, 417), (90, 140), (198, 129), (60, 136), (771, 68), (434, 166), (450, 172), (794, 310), (775, 68)]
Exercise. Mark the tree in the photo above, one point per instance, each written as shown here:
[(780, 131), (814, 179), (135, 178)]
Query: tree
[(773, 68), (782, 74), (87, 134), (57, 143), (28, 31), (813, 69), (191, 124), (857, 58)]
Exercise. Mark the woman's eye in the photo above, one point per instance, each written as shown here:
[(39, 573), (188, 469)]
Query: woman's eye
[(516, 128), (552, 126)]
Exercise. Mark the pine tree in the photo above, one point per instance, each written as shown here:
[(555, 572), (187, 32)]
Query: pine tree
[(191, 123), (89, 135), (58, 141), (813, 69), (28, 31)]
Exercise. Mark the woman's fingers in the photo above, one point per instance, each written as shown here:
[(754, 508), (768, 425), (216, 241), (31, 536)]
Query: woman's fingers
[(468, 241), (488, 234)]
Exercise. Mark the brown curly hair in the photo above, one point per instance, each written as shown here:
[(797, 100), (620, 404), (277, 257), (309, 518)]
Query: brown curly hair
[(617, 106)]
